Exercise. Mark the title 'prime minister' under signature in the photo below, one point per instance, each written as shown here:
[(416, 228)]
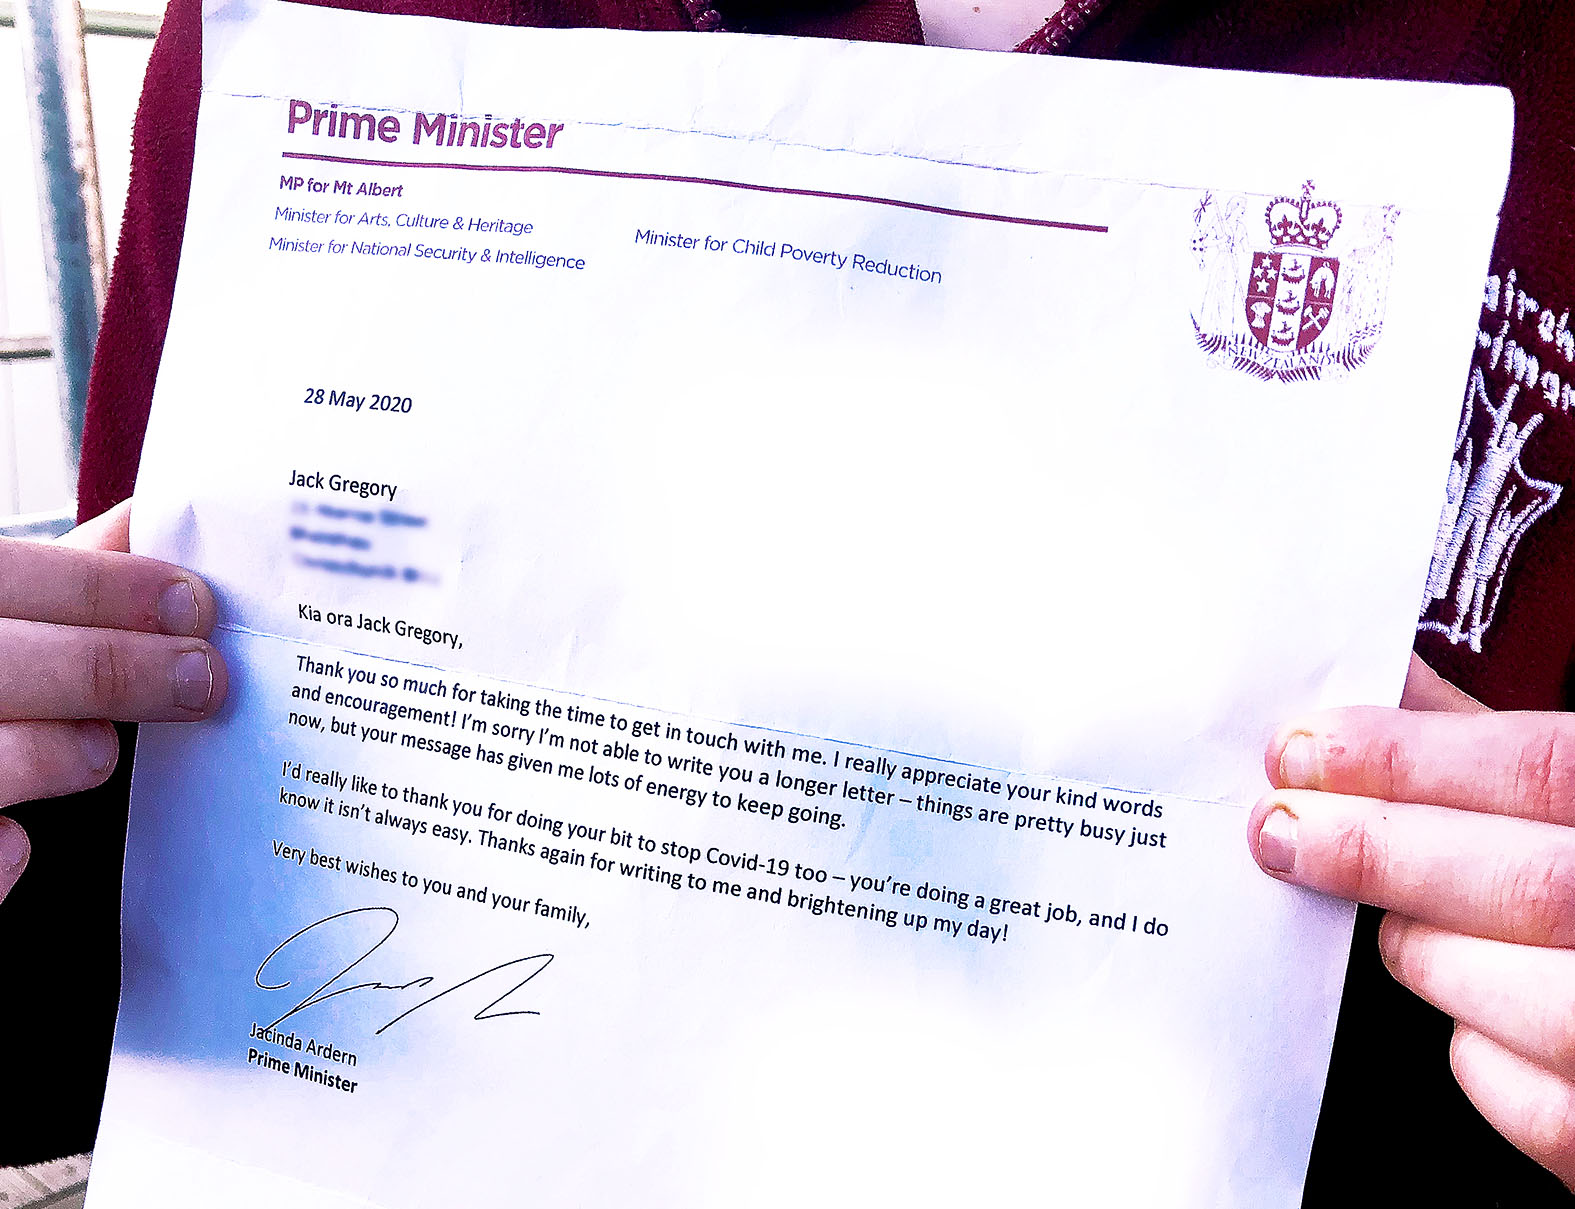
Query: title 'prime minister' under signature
[(334, 932)]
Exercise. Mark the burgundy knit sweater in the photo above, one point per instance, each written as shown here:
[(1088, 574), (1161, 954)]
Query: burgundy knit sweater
[(1497, 619)]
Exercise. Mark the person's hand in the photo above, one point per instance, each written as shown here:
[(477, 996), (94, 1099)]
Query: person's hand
[(1462, 825), (90, 633)]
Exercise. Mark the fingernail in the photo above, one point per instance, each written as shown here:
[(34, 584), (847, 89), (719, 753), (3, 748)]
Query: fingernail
[(1277, 841), (193, 681), (177, 609), (1300, 763), (14, 850), (99, 747)]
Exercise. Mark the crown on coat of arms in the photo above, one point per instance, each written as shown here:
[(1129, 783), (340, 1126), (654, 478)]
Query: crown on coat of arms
[(1303, 222)]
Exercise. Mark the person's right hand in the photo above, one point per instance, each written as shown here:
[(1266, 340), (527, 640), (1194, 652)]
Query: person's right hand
[(90, 633)]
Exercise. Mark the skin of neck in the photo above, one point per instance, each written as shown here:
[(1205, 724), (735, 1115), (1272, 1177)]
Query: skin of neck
[(983, 24)]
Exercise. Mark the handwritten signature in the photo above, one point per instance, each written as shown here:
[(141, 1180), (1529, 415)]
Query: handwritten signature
[(334, 930)]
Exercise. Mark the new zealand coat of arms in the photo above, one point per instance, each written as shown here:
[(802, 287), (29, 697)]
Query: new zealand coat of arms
[(1293, 311)]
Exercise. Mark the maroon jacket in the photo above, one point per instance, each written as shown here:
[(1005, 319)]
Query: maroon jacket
[(1496, 620)]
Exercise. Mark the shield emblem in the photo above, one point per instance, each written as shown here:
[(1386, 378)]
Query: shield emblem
[(1290, 299)]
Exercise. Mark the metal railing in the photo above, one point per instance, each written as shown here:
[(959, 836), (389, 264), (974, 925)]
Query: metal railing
[(76, 260), (99, 21)]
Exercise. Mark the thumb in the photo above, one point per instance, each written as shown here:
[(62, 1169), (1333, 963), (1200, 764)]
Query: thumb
[(14, 851), (108, 531)]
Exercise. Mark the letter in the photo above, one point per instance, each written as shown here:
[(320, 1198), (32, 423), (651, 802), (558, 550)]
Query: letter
[(943, 573)]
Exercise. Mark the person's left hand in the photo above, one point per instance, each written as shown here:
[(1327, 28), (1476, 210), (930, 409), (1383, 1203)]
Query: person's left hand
[(1462, 825)]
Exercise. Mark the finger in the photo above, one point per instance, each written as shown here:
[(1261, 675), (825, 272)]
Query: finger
[(1425, 689), (14, 851), (1520, 764), (51, 671), (107, 531), (1532, 1107), (50, 759), (1481, 874), (1518, 995), (66, 586)]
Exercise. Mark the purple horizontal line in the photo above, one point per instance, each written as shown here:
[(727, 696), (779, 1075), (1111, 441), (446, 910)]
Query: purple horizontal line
[(706, 180)]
